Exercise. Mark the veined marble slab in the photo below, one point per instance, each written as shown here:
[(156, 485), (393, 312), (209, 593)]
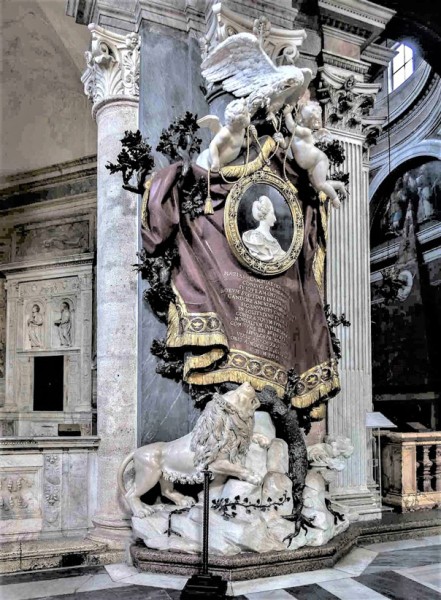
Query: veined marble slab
[(429, 575), (121, 571), (356, 561), (408, 558), (285, 581), (99, 582), (275, 595), (348, 589), (173, 582), (40, 589)]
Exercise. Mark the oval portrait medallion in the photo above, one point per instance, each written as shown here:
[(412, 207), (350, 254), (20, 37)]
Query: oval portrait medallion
[(264, 223)]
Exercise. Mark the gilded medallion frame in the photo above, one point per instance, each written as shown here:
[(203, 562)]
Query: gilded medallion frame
[(264, 177)]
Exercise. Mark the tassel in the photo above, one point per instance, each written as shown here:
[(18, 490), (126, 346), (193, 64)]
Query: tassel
[(208, 206)]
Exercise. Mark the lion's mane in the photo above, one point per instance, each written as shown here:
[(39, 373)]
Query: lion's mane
[(221, 428)]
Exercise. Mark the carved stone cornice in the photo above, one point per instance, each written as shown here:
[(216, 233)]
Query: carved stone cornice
[(345, 63), (278, 43), (378, 55), (350, 28), (347, 103), (112, 67), (361, 17)]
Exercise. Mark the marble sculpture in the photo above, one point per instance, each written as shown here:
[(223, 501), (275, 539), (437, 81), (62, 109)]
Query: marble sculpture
[(305, 152), (245, 70), (257, 504), (220, 441), (229, 139)]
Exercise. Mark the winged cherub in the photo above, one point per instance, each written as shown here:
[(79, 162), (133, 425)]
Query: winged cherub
[(306, 154), (244, 69), (229, 138)]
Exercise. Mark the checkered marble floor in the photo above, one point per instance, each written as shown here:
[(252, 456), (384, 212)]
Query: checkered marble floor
[(402, 570)]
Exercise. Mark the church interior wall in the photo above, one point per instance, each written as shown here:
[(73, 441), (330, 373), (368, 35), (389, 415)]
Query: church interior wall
[(406, 172), (43, 104)]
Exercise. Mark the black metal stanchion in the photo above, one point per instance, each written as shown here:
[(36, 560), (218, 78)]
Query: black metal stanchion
[(205, 585)]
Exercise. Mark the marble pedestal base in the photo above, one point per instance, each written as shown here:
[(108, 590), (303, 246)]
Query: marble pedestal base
[(247, 565), (391, 527)]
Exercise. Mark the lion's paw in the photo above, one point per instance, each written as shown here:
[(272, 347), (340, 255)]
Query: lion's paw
[(261, 440), (142, 513), (187, 502)]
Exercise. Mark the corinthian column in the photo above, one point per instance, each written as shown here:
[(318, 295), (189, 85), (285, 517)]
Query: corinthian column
[(347, 103), (111, 82)]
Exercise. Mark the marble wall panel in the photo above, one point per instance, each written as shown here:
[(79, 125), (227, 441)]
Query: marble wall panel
[(20, 494), (170, 85), (46, 487)]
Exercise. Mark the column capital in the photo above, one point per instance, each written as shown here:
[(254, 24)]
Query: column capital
[(347, 103), (278, 42), (112, 67)]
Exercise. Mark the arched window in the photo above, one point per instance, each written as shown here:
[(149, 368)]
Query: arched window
[(401, 66)]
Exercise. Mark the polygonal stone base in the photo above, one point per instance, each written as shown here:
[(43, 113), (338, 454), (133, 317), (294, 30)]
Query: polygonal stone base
[(248, 565), (252, 565)]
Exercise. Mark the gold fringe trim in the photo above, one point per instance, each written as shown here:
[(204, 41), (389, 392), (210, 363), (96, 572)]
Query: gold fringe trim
[(318, 413), (316, 383), (319, 262), (234, 376), (175, 339), (318, 268), (238, 171), (145, 202), (321, 391), (193, 363)]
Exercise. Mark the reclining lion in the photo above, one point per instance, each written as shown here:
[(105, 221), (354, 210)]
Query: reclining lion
[(220, 440)]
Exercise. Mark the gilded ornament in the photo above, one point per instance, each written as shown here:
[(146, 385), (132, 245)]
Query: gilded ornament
[(274, 245)]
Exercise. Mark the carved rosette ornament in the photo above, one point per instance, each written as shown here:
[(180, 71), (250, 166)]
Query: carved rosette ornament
[(112, 66), (347, 103)]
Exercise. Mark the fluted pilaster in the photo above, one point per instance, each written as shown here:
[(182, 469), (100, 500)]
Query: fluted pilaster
[(347, 103)]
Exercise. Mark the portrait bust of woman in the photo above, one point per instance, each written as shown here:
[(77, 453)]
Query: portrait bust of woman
[(259, 241)]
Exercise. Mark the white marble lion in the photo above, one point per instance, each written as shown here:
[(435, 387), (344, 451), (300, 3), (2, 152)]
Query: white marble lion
[(220, 440)]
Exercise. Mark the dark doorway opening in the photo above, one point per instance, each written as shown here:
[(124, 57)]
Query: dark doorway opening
[(48, 382)]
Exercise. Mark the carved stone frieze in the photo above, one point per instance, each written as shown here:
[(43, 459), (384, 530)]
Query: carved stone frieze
[(56, 239), (347, 102), (49, 287), (112, 66)]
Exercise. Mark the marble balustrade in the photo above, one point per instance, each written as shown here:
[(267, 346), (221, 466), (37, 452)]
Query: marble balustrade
[(411, 468)]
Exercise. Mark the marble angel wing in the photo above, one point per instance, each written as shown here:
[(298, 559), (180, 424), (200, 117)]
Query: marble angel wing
[(245, 70), (240, 64), (212, 122)]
